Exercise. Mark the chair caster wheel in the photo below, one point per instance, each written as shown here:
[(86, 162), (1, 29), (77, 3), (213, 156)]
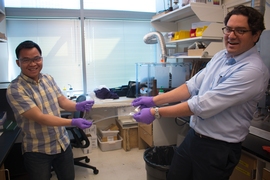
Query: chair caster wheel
[(87, 160), (96, 171)]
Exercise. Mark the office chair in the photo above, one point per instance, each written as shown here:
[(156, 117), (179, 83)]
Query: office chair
[(78, 139)]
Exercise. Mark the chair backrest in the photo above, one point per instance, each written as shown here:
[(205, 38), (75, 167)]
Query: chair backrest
[(79, 114), (78, 138)]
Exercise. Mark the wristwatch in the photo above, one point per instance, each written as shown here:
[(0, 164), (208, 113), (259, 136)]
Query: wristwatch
[(157, 115)]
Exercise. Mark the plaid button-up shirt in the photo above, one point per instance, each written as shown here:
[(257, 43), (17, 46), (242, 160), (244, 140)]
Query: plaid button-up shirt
[(23, 94)]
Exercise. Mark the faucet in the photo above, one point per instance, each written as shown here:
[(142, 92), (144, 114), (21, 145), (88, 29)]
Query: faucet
[(153, 38)]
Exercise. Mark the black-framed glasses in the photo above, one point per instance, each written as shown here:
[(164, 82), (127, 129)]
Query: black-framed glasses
[(227, 31), (36, 59)]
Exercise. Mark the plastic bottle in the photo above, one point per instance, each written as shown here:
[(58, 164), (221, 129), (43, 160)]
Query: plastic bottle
[(71, 92), (154, 91), (161, 91), (64, 91)]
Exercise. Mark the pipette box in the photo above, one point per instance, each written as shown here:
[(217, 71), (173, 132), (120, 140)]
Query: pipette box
[(167, 76)]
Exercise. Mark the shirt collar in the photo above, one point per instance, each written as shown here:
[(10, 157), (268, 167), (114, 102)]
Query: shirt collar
[(241, 56), (29, 80)]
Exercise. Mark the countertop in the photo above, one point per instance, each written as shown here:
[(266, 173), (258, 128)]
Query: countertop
[(106, 103), (253, 144)]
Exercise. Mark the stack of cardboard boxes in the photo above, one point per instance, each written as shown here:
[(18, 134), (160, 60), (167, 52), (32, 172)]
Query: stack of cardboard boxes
[(91, 133)]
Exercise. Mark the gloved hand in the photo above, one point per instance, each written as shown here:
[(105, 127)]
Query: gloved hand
[(144, 116), (143, 102), (85, 105), (81, 123)]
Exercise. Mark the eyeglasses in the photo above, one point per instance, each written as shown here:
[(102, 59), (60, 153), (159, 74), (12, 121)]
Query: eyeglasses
[(228, 31), (36, 59)]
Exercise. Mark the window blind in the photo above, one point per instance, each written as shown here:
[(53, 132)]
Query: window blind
[(62, 4), (112, 49), (138, 5), (60, 43)]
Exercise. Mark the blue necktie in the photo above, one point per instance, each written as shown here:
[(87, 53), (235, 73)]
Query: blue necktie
[(230, 61)]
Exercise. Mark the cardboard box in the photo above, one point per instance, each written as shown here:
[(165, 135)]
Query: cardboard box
[(109, 135), (266, 174), (94, 143), (92, 130), (246, 168), (195, 52), (89, 148)]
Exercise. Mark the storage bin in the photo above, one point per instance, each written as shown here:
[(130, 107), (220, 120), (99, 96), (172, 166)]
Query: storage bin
[(110, 135), (110, 145), (195, 52)]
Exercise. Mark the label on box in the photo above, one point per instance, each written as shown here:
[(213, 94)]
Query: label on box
[(110, 138)]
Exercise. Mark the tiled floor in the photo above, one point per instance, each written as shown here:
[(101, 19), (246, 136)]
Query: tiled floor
[(112, 165)]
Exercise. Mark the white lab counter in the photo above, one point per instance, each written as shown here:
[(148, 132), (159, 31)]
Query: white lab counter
[(109, 103)]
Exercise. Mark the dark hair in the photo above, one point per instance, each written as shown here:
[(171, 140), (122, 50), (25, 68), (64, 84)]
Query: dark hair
[(27, 45), (255, 18)]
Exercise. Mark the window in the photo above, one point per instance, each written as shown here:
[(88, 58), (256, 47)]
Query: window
[(113, 48), (60, 43), (61, 4), (138, 5)]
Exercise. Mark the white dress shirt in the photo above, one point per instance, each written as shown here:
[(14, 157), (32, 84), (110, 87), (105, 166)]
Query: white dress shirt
[(224, 95)]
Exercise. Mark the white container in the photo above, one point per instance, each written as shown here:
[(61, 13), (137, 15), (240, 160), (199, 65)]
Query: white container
[(107, 135), (92, 130), (110, 145), (89, 148), (94, 142)]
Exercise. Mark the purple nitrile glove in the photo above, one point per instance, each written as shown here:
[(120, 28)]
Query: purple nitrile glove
[(144, 116), (81, 123), (143, 102), (85, 105)]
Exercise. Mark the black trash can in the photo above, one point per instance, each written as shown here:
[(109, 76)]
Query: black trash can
[(157, 161)]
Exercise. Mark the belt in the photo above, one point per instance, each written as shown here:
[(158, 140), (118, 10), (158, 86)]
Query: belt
[(207, 137), (203, 136)]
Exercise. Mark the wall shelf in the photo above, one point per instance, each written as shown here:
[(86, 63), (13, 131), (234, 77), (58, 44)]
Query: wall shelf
[(204, 12), (212, 35), (195, 39)]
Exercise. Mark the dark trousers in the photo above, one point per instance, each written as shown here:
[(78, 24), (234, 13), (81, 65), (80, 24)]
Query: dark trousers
[(202, 158), (38, 165)]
